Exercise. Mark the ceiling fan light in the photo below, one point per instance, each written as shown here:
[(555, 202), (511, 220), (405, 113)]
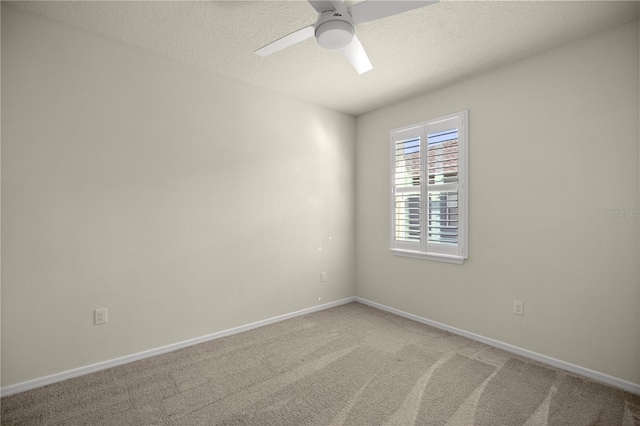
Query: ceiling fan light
[(335, 34)]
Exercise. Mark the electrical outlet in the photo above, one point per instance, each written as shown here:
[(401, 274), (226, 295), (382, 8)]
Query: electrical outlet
[(323, 277), (100, 316), (518, 307)]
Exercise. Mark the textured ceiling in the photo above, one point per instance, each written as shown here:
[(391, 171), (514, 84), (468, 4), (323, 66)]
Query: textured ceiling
[(412, 53)]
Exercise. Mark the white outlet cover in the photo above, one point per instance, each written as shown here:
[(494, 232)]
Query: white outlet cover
[(100, 316), (518, 307)]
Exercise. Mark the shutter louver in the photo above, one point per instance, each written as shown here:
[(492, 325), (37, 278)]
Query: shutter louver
[(442, 170), (407, 177), (443, 217), (408, 217)]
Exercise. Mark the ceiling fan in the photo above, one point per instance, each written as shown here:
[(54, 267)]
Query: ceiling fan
[(335, 27)]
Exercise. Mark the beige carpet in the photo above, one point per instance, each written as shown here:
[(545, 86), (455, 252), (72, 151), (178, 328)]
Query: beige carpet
[(350, 365)]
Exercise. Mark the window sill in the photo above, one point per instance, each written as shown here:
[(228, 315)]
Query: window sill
[(428, 256)]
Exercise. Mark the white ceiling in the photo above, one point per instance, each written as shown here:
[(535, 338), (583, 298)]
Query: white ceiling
[(412, 53)]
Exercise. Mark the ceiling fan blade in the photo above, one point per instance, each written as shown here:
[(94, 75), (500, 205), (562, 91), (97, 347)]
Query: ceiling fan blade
[(286, 41), (370, 10), (322, 5), (339, 6), (357, 56)]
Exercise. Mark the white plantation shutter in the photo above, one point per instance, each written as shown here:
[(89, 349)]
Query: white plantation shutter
[(407, 203), (429, 189)]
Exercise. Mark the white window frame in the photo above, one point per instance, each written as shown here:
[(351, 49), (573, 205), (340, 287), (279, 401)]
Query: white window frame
[(452, 253)]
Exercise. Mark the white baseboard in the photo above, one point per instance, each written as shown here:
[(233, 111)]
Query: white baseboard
[(591, 374), (81, 371), (76, 372)]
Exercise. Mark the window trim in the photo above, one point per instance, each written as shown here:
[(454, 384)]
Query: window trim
[(408, 249)]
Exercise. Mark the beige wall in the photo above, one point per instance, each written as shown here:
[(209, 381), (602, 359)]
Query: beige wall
[(553, 143), (189, 203), (184, 202)]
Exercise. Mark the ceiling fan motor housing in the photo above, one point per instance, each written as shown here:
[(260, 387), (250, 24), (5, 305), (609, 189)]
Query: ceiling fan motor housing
[(334, 30)]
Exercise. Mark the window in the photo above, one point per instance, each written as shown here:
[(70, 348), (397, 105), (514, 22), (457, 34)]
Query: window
[(429, 189)]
